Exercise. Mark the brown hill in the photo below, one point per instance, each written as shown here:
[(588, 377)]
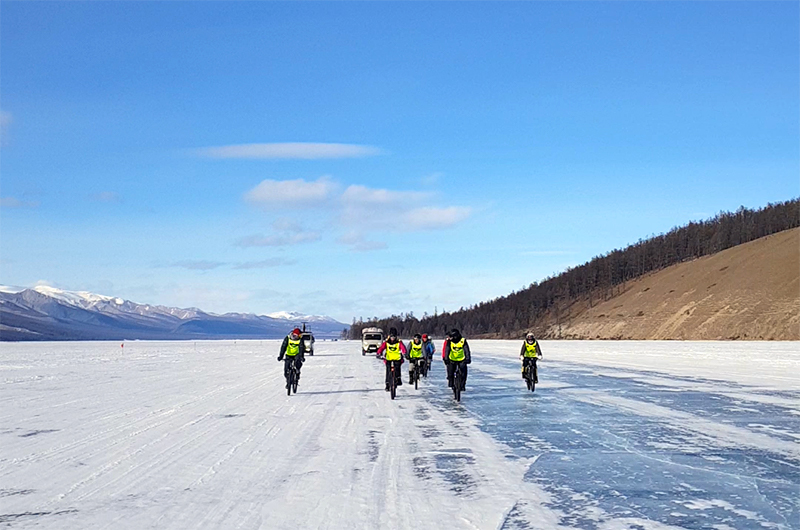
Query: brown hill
[(751, 291)]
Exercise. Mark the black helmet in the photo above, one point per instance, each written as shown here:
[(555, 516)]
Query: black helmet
[(392, 331), (417, 336), (455, 334), (530, 336)]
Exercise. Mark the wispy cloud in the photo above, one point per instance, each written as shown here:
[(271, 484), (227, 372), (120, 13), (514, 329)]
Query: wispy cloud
[(294, 150), (105, 196), (198, 265), (397, 211), (431, 179), (278, 240), (5, 124), (358, 242), (264, 264), (14, 203), (430, 218), (546, 252), (284, 194)]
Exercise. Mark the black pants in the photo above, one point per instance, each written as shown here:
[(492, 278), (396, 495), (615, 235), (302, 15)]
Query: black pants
[(287, 366), (396, 372), (530, 361), (451, 370)]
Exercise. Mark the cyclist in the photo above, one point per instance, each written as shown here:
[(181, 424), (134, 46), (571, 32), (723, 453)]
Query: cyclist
[(528, 354), (416, 355), (293, 349), (392, 351), (429, 349), (456, 353)]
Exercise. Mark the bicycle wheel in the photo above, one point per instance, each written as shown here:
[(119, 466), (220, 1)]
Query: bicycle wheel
[(416, 378), (393, 385), (289, 381), (294, 383), (457, 384)]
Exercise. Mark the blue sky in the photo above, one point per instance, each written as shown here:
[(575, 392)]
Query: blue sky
[(363, 159)]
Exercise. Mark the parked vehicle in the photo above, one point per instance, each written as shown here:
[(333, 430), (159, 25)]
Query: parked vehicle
[(371, 339), (308, 339)]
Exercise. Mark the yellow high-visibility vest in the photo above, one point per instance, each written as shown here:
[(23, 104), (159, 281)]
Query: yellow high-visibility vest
[(531, 350), (457, 350), (393, 352), (293, 347)]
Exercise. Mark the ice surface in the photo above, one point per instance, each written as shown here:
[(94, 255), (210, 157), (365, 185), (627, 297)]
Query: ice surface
[(618, 435)]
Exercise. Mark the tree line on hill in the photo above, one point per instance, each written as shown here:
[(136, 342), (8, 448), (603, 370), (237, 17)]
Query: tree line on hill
[(600, 278)]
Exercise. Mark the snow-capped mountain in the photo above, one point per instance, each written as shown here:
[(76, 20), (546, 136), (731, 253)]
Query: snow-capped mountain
[(47, 313)]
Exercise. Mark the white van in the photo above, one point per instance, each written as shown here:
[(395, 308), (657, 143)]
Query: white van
[(371, 339)]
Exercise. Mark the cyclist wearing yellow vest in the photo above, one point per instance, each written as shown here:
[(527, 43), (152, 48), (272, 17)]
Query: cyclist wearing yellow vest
[(416, 354), (392, 351), (456, 353), (293, 349), (530, 353)]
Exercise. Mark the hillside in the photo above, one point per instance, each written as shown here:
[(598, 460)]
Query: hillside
[(733, 276), (751, 291)]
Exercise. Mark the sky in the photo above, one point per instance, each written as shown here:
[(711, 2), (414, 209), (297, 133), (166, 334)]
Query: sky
[(374, 158)]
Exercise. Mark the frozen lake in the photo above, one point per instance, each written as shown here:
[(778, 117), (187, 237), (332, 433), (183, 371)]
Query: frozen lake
[(618, 436)]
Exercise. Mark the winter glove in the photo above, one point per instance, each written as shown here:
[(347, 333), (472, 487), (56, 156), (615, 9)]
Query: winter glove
[(280, 358)]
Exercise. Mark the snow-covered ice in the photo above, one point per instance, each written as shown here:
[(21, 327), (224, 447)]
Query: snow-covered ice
[(618, 436)]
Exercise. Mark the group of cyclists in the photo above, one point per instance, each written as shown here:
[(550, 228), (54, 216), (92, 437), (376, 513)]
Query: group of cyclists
[(419, 352)]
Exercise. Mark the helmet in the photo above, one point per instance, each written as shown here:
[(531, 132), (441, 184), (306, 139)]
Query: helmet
[(455, 334), (392, 332), (530, 336), (417, 336), (296, 331), (425, 337)]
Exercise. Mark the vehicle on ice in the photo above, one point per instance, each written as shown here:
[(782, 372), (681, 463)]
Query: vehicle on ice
[(371, 339), (308, 340)]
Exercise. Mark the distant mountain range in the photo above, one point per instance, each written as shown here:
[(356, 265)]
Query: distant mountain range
[(46, 313)]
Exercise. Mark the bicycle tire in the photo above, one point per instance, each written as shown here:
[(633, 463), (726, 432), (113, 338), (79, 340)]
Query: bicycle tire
[(457, 383), (416, 378), (393, 384), (289, 383)]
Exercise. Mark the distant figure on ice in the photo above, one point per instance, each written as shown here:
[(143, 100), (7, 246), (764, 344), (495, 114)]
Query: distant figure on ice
[(529, 353), (430, 349), (293, 349), (456, 352), (392, 351)]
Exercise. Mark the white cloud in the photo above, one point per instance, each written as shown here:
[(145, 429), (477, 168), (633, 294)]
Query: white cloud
[(431, 179), (429, 218), (356, 195), (5, 124), (278, 240), (106, 196), (358, 243), (264, 264), (198, 265), (296, 150), (14, 203), (396, 211), (291, 193)]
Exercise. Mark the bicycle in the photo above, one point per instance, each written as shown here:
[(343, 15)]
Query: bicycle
[(392, 381), (531, 376), (457, 381), (415, 371), (291, 378)]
